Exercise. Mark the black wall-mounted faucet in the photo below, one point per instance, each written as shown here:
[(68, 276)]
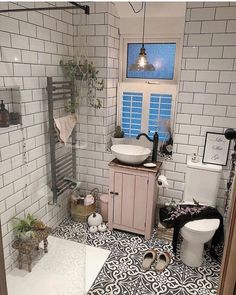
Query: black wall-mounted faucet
[(155, 144)]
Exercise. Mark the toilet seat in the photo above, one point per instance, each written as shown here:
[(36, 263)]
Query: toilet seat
[(202, 225), (195, 234)]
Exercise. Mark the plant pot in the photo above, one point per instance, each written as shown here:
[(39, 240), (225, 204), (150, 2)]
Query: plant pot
[(81, 77), (117, 140), (25, 236)]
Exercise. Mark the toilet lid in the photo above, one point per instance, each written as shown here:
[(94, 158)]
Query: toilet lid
[(203, 225)]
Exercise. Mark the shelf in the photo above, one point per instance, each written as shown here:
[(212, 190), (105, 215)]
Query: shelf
[(11, 96), (10, 128)]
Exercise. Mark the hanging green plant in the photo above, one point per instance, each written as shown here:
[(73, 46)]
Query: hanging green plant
[(84, 71), (70, 68), (71, 107)]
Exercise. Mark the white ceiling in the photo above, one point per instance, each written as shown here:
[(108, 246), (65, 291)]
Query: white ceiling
[(153, 9)]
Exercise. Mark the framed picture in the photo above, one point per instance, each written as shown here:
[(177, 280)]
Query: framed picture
[(216, 149)]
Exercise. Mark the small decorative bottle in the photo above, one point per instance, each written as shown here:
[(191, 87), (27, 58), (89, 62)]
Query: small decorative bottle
[(195, 158), (4, 116)]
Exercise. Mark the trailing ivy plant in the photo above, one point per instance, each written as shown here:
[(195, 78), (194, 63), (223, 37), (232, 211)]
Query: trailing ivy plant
[(71, 107), (84, 71)]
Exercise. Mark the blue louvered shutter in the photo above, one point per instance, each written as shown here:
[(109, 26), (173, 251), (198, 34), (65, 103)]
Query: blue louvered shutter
[(132, 103), (159, 110)]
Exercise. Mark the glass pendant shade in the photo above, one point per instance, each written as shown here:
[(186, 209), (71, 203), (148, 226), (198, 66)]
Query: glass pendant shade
[(141, 63)]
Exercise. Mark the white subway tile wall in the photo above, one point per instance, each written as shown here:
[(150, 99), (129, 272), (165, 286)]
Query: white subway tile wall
[(32, 44), (207, 89)]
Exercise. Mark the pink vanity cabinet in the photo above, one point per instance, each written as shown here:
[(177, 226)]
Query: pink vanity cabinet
[(132, 198)]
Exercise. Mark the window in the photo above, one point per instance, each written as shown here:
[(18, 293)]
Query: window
[(146, 108), (161, 55)]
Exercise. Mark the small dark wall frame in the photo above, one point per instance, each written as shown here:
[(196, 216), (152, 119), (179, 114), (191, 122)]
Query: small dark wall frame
[(216, 149)]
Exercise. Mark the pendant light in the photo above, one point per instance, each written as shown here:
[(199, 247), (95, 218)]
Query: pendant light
[(141, 63)]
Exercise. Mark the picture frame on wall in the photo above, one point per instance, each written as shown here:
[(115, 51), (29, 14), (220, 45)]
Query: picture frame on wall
[(216, 149)]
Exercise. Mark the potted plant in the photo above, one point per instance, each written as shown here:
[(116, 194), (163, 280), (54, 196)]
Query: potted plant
[(81, 72), (119, 136), (24, 228)]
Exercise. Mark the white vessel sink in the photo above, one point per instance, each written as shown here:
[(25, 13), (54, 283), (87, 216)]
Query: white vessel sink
[(130, 154)]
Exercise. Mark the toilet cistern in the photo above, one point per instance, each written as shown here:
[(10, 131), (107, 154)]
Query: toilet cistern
[(155, 144)]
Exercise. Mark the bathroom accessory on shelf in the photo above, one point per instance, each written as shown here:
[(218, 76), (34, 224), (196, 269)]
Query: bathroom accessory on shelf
[(195, 158), (4, 116), (150, 165), (14, 116)]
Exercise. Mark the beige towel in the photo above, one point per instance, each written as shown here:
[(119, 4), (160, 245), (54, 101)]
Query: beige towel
[(64, 126)]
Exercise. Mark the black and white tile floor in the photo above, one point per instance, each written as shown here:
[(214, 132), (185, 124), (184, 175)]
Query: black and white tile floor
[(122, 273)]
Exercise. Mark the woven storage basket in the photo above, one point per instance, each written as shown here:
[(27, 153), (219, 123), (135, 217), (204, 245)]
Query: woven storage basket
[(79, 212)]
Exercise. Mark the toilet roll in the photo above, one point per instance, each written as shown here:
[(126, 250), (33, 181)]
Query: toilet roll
[(162, 181)]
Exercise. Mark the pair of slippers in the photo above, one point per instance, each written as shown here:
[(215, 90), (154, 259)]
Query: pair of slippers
[(162, 260)]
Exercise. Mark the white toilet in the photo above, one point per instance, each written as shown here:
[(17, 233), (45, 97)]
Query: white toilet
[(201, 183)]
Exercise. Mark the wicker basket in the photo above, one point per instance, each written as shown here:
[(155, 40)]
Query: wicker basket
[(79, 212)]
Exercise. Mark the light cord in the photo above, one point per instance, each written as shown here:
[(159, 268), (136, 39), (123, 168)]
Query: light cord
[(144, 17), (136, 11)]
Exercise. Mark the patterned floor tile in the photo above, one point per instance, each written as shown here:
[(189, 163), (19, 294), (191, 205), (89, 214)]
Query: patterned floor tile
[(122, 272)]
